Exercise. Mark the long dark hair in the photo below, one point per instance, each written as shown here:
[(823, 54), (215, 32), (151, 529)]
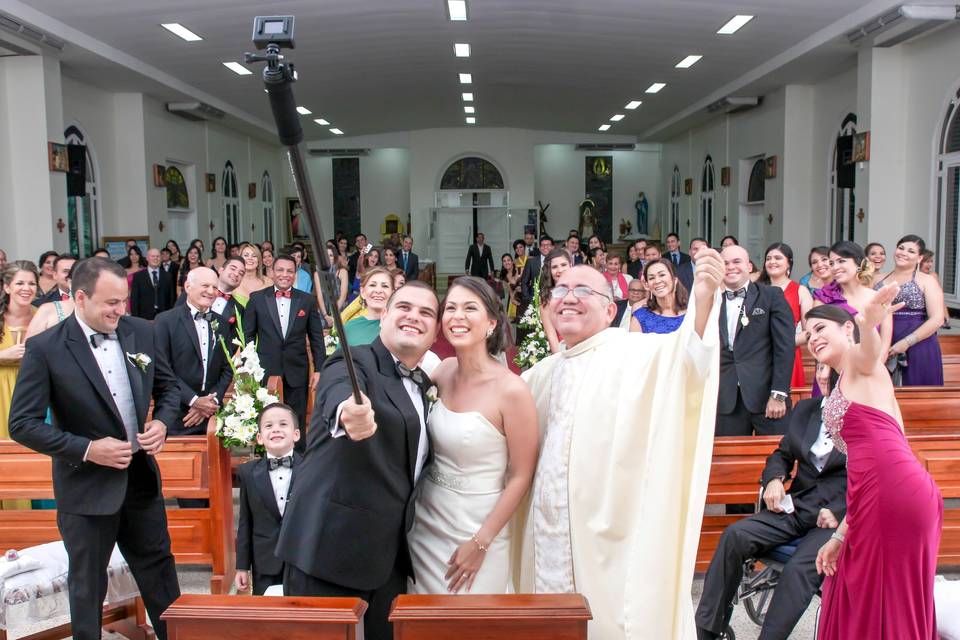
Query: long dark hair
[(213, 248), (7, 275), (499, 340), (503, 272), (680, 295), (833, 313), (853, 251), (917, 240), (787, 253), (817, 251), (546, 278)]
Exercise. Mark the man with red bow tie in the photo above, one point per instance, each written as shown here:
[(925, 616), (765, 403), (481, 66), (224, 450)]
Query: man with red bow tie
[(283, 320), (225, 305)]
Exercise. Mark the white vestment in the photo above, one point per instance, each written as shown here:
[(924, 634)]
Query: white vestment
[(626, 430)]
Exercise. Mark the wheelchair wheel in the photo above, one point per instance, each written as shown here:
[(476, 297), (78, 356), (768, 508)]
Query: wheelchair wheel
[(756, 605), (728, 634)]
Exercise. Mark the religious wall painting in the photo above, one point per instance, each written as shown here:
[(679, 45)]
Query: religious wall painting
[(158, 172), (597, 217), (688, 186), (57, 157), (346, 195), (211, 182), (296, 225), (177, 195), (472, 173), (770, 168), (861, 147), (725, 176)]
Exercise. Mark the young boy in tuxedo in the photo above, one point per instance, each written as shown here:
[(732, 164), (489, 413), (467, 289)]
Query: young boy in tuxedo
[(264, 489)]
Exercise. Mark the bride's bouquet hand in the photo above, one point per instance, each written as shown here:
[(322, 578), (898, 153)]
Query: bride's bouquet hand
[(463, 566)]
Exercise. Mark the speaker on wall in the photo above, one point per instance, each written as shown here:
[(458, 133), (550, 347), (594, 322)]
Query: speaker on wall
[(77, 175)]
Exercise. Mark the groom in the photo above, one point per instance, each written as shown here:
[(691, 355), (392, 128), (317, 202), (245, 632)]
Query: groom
[(345, 524)]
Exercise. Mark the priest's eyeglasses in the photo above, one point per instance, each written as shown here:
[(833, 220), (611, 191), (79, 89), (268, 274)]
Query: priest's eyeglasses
[(583, 291)]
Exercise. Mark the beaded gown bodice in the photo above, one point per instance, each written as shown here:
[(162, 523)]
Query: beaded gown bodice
[(834, 409)]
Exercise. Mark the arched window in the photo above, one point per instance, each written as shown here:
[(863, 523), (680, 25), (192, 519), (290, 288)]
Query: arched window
[(231, 204), (756, 187), (843, 180), (948, 202), (83, 212), (470, 174), (177, 196), (706, 200), (266, 198), (676, 189)]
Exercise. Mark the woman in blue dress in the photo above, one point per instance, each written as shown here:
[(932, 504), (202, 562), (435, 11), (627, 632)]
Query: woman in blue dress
[(666, 303)]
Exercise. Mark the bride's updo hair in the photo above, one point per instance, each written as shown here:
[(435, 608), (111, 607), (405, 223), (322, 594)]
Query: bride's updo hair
[(499, 340), (836, 314)]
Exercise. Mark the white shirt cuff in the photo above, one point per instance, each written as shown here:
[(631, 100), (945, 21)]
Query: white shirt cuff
[(336, 430), (87, 452), (192, 401)]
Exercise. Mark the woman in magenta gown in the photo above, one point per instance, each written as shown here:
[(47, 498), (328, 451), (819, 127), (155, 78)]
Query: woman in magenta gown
[(882, 559)]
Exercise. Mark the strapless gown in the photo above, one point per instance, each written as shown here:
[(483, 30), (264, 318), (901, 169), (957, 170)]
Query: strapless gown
[(461, 485), (883, 587)]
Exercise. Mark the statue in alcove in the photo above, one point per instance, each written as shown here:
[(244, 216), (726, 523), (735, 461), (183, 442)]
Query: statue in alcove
[(588, 219), (643, 209)]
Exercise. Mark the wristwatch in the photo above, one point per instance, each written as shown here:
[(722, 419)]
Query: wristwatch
[(778, 395)]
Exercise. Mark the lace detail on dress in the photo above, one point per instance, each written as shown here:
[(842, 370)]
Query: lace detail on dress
[(834, 410)]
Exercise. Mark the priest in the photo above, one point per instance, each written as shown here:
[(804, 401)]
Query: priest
[(626, 429)]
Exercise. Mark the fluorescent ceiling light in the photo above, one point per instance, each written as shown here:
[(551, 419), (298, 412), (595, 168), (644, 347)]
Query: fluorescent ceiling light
[(321, 121), (466, 78), (468, 97), (655, 87), (469, 110), (617, 118), (734, 25), (604, 127), (461, 50), (179, 30), (304, 111), (336, 132), (237, 68), (457, 10), (471, 120), (633, 104), (688, 62)]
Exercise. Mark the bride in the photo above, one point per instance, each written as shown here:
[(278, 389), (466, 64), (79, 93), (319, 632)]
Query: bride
[(483, 432)]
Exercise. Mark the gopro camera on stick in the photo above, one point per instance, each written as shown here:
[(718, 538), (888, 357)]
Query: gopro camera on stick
[(276, 30)]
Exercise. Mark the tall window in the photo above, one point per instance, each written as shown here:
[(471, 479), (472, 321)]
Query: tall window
[(266, 198), (177, 195), (676, 189), (843, 180), (948, 197), (756, 186), (706, 200), (83, 212), (231, 204)]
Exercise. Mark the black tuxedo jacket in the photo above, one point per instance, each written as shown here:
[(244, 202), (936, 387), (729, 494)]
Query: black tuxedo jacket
[(352, 261), (83, 410), (346, 519), (479, 263), (177, 343), (811, 490), (173, 269), (531, 271), (684, 258), (146, 301), (258, 527), (762, 358), (412, 267), (279, 355), (635, 269), (49, 296), (685, 274)]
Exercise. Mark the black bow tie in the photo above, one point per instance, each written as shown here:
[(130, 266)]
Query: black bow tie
[(739, 293), (201, 315), (276, 463), (418, 376), (97, 339)]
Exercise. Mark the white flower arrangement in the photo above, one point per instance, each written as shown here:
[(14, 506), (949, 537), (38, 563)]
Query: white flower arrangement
[(237, 420), (534, 346), (331, 341)]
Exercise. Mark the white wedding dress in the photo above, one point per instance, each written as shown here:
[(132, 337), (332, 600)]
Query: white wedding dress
[(460, 488)]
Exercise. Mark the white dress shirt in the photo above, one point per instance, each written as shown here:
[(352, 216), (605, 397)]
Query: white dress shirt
[(219, 304), (822, 446), (280, 481), (733, 308), (113, 366), (203, 335), (283, 309)]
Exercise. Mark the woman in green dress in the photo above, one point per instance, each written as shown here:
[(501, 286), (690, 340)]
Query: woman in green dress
[(375, 289)]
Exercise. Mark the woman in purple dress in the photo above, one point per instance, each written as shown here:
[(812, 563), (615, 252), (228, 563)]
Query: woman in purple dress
[(882, 558), (915, 325)]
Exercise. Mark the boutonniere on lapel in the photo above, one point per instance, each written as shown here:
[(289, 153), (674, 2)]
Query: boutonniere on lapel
[(431, 396), (215, 325), (301, 313), (139, 360)]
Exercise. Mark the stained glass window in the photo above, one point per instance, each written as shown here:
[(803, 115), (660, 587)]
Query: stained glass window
[(177, 196), (471, 173)]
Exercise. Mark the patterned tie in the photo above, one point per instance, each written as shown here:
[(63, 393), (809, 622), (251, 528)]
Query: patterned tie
[(276, 463), (418, 375), (200, 315), (156, 277), (284, 294), (739, 293), (225, 296), (97, 339)]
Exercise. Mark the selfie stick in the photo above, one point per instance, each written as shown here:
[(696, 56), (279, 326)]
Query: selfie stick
[(272, 34)]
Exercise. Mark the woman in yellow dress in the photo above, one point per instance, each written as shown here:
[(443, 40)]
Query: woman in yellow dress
[(253, 278), (16, 311)]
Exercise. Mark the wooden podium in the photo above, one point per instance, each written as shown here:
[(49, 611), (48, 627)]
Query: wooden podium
[(214, 617), (526, 617)]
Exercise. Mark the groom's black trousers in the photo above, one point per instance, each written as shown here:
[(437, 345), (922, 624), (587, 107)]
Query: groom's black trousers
[(375, 623)]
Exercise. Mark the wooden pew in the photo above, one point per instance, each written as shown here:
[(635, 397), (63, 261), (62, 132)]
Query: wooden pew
[(211, 617), (951, 369), (950, 344), (738, 463), (456, 617), (925, 410)]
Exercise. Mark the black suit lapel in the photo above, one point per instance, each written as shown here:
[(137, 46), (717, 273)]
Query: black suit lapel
[(270, 300), (396, 392), (80, 348), (191, 330), (810, 435), (128, 344), (261, 479)]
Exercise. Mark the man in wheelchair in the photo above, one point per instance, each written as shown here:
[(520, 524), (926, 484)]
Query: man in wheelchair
[(804, 516)]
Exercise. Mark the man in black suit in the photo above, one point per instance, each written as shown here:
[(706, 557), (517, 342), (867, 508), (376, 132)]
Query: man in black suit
[(635, 267), (62, 266), (187, 338), (531, 270), (168, 265), (105, 478), (153, 290), (528, 242), (674, 254), (757, 336), (282, 319), (360, 244), (231, 275), (479, 261), (408, 260), (573, 250), (344, 531), (686, 269), (818, 495)]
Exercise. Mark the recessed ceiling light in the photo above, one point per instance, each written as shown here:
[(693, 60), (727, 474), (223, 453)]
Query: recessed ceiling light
[(655, 87), (688, 62), (237, 68), (633, 104), (617, 118), (468, 97), (604, 127), (461, 50), (457, 10), (734, 25), (179, 30), (466, 78), (321, 121), (336, 132), (469, 110), (304, 111), (471, 120)]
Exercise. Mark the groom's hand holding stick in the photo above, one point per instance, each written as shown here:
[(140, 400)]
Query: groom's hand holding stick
[(358, 419)]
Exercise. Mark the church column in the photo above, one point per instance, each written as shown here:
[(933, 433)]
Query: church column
[(801, 212), (32, 198)]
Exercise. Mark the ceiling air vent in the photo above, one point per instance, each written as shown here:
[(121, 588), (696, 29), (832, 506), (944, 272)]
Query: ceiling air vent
[(339, 153), (734, 104), (195, 111), (30, 33), (621, 146), (902, 24)]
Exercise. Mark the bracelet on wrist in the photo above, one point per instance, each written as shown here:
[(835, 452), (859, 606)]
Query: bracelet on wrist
[(476, 541), (839, 537)]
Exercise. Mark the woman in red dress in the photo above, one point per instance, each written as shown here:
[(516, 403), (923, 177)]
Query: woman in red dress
[(777, 267), (882, 559)]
